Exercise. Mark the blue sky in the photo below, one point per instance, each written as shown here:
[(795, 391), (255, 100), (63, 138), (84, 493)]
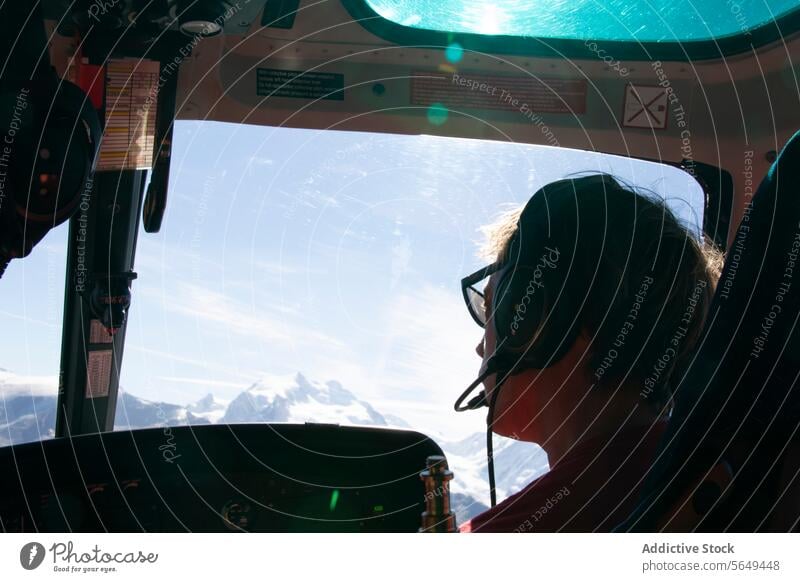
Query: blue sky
[(336, 254)]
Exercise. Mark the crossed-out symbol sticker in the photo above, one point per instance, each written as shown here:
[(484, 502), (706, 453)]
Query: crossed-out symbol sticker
[(645, 106)]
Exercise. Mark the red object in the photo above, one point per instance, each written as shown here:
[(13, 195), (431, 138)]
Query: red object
[(92, 79), (594, 488)]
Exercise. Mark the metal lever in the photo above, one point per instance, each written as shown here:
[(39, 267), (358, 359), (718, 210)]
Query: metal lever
[(437, 517)]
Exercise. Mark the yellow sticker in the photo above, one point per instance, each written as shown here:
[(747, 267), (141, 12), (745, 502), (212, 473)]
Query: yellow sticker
[(130, 128)]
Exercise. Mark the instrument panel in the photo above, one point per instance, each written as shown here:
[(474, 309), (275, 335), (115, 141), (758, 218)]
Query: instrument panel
[(249, 477)]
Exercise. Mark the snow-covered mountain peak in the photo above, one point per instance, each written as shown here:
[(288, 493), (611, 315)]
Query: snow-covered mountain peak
[(297, 399), (209, 407)]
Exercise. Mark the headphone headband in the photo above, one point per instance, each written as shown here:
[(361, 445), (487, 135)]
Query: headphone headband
[(534, 316)]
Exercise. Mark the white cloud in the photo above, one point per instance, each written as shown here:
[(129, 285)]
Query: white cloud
[(203, 382), (260, 161), (431, 338), (425, 359), (15, 385), (234, 316)]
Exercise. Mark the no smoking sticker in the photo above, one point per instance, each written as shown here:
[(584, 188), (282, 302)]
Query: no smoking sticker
[(645, 106)]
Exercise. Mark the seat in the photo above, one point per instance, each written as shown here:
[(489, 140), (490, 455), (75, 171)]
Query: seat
[(729, 458)]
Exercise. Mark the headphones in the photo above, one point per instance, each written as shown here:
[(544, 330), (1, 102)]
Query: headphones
[(531, 313), (49, 139), (534, 313)]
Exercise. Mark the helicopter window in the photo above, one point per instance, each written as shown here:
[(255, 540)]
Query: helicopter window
[(521, 26), (312, 276), (31, 313)]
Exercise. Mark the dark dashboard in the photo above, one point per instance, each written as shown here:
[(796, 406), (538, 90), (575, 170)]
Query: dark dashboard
[(249, 477)]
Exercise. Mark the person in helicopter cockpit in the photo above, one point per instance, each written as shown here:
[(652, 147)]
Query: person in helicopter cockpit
[(591, 308)]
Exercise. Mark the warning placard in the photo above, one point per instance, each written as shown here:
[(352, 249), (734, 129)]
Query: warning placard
[(98, 373), (523, 93), (300, 84), (98, 334), (130, 123), (645, 106)]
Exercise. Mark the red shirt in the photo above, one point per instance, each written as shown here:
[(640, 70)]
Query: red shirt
[(594, 488)]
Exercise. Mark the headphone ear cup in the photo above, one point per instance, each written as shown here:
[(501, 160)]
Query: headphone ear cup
[(57, 154), (21, 129), (60, 169), (533, 317), (55, 143), (517, 309)]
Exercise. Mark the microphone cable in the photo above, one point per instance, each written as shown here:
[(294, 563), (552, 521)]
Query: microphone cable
[(492, 366), (490, 446)]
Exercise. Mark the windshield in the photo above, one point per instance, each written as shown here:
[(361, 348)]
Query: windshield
[(308, 276)]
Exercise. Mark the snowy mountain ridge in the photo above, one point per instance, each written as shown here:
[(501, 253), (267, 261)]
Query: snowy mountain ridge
[(27, 413)]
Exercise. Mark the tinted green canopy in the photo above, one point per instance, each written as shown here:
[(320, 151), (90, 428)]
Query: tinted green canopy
[(614, 20)]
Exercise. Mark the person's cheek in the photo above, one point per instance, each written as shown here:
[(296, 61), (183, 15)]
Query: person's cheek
[(513, 408), (505, 414)]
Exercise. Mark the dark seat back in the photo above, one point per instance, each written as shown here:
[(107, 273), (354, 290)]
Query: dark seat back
[(724, 464)]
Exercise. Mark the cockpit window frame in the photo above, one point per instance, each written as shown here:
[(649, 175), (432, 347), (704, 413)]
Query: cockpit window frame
[(718, 48)]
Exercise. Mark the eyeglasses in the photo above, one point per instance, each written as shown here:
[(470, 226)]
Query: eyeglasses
[(473, 287)]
